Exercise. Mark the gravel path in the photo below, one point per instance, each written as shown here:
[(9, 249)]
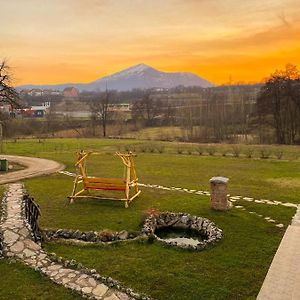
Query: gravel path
[(34, 167)]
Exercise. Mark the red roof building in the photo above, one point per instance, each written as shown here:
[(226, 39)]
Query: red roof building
[(70, 92)]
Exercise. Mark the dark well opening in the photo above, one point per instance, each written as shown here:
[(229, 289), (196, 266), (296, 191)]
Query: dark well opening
[(180, 235)]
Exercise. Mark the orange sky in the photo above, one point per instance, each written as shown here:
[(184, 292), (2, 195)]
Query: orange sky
[(82, 40)]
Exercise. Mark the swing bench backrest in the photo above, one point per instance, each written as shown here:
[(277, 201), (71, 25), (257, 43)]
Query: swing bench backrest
[(99, 183)]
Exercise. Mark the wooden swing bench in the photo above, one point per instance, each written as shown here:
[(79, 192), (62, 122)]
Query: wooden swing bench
[(89, 183)]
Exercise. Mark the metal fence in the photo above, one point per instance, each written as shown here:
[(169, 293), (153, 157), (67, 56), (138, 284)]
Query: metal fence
[(32, 213)]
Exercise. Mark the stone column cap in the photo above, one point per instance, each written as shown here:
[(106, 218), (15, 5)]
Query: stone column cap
[(219, 179)]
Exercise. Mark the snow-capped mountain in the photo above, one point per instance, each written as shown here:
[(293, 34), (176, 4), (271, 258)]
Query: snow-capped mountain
[(139, 76)]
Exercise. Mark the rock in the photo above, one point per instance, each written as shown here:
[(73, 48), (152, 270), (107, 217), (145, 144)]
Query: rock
[(123, 235), (10, 236), (82, 281), (28, 253), (72, 275), (100, 290), (112, 297), (122, 296), (32, 245), (54, 267), (90, 236), (86, 290), (17, 247), (24, 232), (65, 280), (92, 282)]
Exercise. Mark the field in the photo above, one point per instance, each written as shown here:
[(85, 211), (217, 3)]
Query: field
[(232, 269)]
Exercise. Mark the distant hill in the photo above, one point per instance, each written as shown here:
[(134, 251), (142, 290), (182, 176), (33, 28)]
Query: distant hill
[(139, 76)]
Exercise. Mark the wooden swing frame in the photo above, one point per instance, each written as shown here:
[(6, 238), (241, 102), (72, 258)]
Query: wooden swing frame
[(128, 183)]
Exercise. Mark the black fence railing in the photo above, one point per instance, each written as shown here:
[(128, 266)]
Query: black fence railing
[(32, 213)]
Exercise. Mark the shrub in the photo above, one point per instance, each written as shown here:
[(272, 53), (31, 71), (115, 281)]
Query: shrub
[(211, 150), (249, 152), (265, 153), (224, 152), (236, 151), (127, 148), (279, 154), (189, 150), (199, 150), (143, 148), (151, 148), (160, 148), (180, 150)]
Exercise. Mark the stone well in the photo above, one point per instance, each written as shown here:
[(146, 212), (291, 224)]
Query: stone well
[(204, 227)]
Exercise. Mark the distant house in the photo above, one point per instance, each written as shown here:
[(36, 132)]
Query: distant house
[(38, 111), (120, 107), (51, 93), (35, 93), (70, 92)]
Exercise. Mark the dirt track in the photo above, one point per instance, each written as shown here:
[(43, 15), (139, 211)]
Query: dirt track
[(34, 167)]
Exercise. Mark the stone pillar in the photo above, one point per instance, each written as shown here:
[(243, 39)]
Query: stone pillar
[(218, 193)]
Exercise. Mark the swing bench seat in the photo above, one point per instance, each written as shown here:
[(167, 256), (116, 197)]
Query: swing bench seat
[(107, 184)]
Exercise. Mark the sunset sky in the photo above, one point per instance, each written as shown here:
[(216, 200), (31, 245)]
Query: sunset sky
[(82, 40)]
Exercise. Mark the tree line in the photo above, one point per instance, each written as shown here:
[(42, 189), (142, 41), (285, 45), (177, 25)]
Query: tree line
[(269, 112)]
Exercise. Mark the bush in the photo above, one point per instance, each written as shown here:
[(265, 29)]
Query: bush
[(180, 150), (199, 150), (211, 150), (236, 151), (224, 152), (279, 154), (249, 152), (189, 150), (130, 148), (151, 148), (127, 148), (160, 148), (143, 148), (265, 153)]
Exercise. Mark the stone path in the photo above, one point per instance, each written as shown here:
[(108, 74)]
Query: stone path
[(283, 278), (34, 167), (18, 244)]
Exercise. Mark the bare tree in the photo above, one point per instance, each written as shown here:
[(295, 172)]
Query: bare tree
[(100, 109), (7, 93), (279, 99), (146, 109)]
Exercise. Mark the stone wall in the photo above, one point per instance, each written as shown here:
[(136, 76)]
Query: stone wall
[(203, 226)]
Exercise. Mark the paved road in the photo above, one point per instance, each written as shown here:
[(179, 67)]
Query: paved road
[(283, 278), (34, 167)]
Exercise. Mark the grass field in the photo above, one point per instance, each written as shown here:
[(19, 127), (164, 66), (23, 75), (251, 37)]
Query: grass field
[(232, 269)]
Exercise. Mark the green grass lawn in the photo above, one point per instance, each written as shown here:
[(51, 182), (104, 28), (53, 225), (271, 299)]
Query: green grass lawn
[(232, 269), (19, 282)]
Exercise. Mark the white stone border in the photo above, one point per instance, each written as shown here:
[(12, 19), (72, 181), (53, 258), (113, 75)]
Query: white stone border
[(232, 200)]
